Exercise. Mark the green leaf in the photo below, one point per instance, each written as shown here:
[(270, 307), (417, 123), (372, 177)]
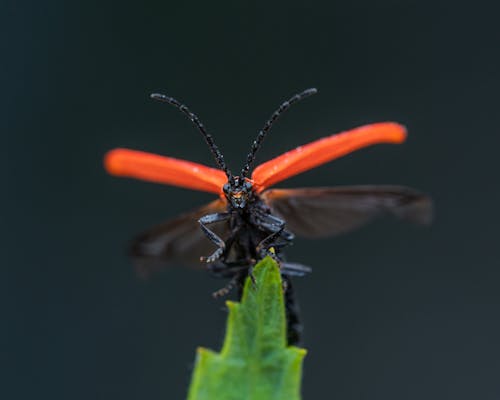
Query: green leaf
[(255, 362)]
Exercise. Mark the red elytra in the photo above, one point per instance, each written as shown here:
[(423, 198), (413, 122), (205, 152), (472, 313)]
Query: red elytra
[(190, 175)]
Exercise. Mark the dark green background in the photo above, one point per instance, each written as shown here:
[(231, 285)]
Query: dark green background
[(391, 312)]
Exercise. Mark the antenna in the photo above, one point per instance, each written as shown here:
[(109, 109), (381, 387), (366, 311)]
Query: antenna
[(267, 126), (219, 158)]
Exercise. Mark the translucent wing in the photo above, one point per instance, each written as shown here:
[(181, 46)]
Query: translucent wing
[(179, 240), (166, 170), (318, 212), (321, 151)]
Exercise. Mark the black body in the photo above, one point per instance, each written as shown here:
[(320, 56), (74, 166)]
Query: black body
[(251, 233)]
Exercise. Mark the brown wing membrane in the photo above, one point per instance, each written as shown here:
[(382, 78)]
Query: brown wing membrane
[(179, 240), (318, 212)]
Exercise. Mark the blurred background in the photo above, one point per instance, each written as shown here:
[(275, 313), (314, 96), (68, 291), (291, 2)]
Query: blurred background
[(392, 311)]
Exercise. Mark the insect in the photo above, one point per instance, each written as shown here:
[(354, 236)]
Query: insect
[(248, 220)]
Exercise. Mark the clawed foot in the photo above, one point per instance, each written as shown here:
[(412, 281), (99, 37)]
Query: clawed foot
[(214, 257), (226, 289), (223, 292)]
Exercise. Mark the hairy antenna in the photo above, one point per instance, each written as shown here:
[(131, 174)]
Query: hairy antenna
[(267, 126), (219, 158)]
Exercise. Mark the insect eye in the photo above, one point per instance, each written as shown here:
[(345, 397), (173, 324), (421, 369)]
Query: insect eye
[(225, 188), (248, 185)]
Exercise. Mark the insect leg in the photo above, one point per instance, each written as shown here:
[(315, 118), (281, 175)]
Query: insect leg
[(226, 289), (214, 238), (269, 222), (267, 242), (294, 269), (221, 269), (278, 238)]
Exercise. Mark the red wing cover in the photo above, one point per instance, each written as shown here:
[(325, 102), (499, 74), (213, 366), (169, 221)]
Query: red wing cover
[(319, 152), (166, 170)]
